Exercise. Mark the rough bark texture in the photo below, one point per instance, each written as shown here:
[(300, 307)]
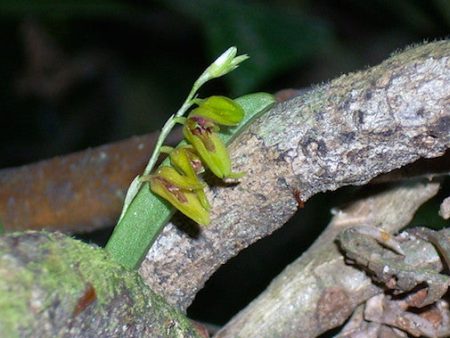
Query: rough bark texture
[(341, 133), (319, 291), (416, 272), (54, 286)]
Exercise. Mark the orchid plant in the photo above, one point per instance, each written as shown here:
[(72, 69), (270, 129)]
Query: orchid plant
[(177, 182)]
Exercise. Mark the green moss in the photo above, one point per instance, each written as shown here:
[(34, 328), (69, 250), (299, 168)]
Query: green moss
[(43, 275), (14, 297), (80, 264)]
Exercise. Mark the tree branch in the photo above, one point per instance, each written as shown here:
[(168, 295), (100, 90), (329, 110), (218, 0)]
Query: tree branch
[(341, 133), (78, 192), (319, 291)]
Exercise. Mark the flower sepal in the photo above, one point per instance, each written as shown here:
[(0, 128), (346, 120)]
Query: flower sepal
[(184, 200), (172, 176), (219, 109), (209, 147)]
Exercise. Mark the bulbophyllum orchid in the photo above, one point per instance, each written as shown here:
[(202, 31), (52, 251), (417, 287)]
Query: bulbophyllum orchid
[(201, 131)]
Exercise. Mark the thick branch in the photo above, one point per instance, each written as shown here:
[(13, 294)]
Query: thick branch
[(341, 133), (79, 192)]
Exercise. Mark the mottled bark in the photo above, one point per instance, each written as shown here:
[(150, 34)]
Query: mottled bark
[(341, 133), (54, 286)]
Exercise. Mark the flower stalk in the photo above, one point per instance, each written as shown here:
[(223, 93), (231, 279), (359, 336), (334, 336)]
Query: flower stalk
[(224, 64), (145, 213), (180, 184)]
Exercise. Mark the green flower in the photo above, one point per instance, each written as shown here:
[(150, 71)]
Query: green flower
[(220, 109), (184, 182), (180, 184), (184, 200), (186, 160), (201, 133)]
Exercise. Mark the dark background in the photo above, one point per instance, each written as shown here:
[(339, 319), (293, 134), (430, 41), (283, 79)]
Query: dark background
[(76, 74)]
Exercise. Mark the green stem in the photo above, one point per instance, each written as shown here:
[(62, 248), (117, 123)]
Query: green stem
[(168, 126), (136, 185), (148, 214)]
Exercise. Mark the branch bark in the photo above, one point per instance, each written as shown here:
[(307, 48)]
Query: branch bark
[(78, 192), (341, 133), (319, 291)]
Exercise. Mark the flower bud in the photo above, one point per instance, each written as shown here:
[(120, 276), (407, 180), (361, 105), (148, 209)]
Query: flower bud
[(224, 64)]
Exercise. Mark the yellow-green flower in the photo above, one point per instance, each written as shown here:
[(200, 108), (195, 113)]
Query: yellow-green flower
[(184, 182), (186, 160), (201, 133), (219, 109), (180, 184), (184, 200)]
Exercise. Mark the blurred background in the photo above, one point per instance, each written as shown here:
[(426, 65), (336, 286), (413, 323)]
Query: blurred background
[(81, 73)]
